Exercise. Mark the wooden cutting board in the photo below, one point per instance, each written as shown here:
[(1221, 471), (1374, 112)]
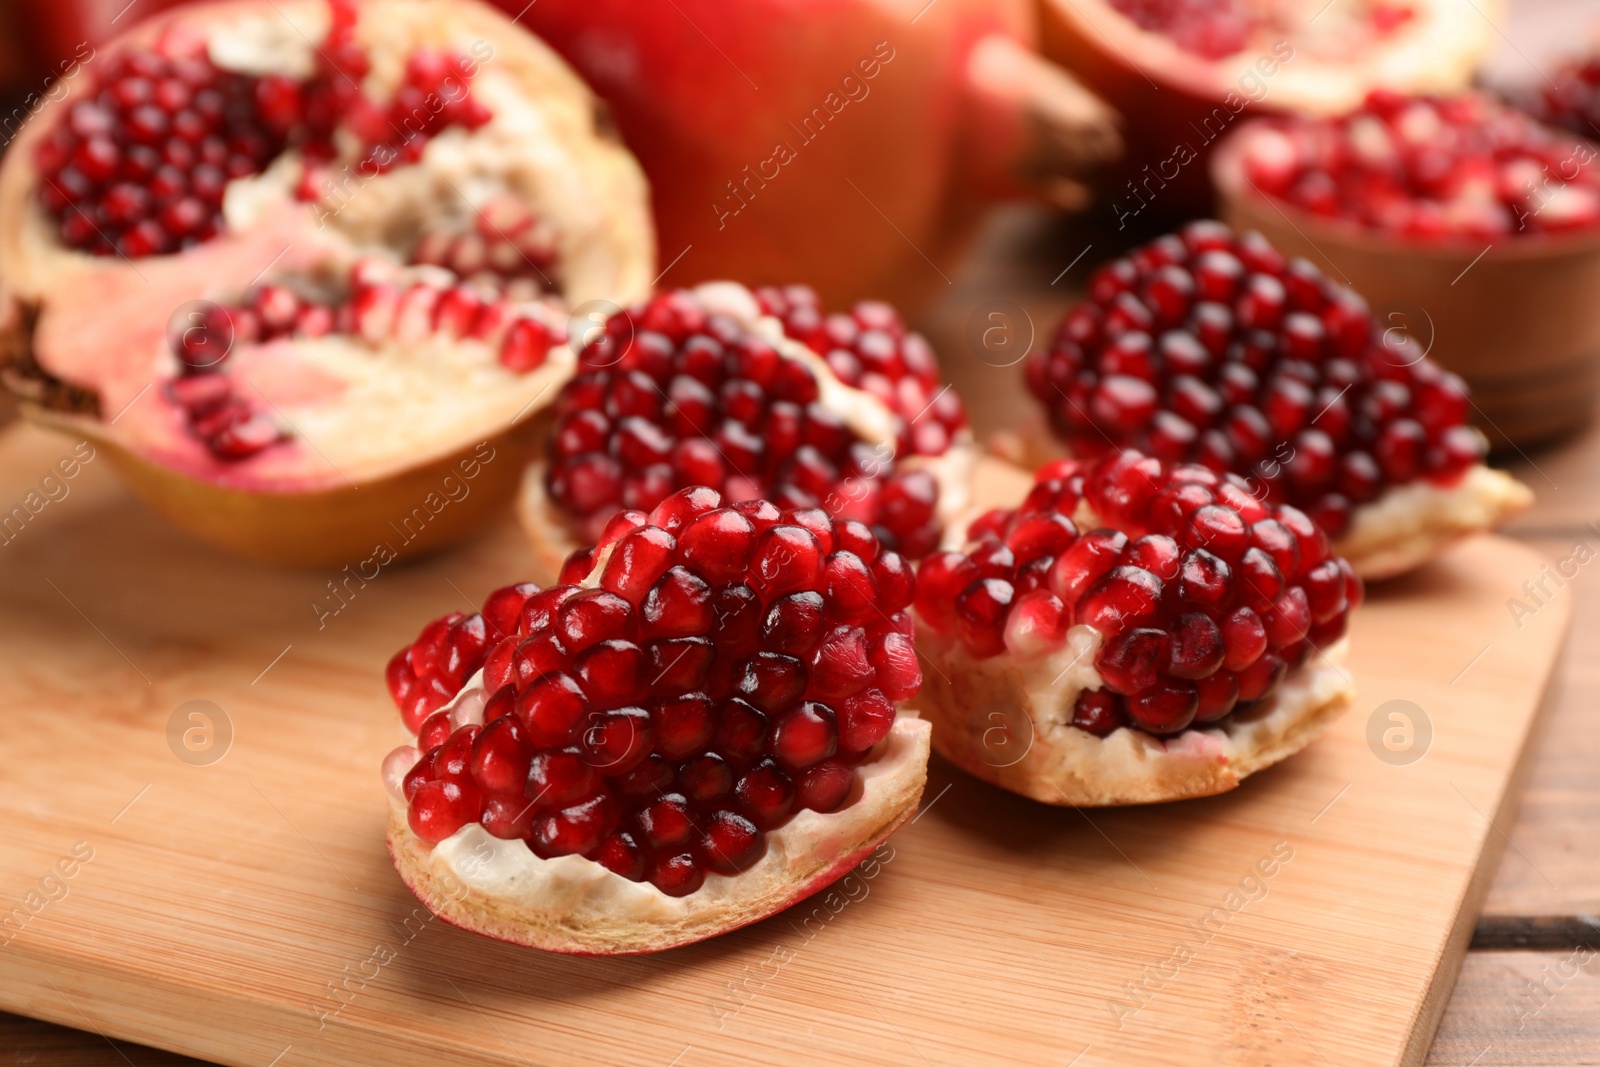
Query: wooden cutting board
[(227, 894)]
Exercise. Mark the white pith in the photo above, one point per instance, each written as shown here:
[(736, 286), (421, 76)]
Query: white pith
[(1010, 722), (1409, 524), (354, 411), (586, 892)]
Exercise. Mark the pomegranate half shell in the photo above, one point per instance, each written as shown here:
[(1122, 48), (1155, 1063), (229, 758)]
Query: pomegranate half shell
[(375, 406), (1300, 56)]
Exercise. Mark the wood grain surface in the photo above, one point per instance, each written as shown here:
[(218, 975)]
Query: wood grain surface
[(243, 909)]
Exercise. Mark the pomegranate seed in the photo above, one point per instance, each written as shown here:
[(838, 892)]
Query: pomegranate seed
[(1096, 712), (440, 808)]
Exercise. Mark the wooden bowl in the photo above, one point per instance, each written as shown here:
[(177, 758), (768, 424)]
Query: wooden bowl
[(1518, 318)]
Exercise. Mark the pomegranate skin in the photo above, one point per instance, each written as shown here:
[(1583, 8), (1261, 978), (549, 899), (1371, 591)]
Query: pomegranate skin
[(713, 98)]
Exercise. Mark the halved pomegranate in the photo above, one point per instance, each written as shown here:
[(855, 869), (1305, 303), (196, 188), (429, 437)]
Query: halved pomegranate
[(1134, 631), (1215, 348), (304, 267), (758, 395), (695, 730), (1184, 71)]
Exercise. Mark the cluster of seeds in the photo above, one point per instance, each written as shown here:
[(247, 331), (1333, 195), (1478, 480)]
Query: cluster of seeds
[(140, 163), (871, 349), (1209, 347), (729, 669), (384, 304), (671, 396), (1205, 596), (1430, 167)]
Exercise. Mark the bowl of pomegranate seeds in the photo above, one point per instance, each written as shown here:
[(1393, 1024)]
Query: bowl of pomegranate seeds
[(1472, 228)]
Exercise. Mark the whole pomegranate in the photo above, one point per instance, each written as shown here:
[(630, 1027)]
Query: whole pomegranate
[(843, 144)]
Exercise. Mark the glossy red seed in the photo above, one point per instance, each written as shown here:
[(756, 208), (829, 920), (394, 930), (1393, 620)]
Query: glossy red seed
[(717, 545), (1130, 661), (500, 756), (439, 808), (1120, 599), (620, 854), (825, 787), (637, 560), (1196, 649), (765, 794), (731, 843), (980, 612), (676, 875), (677, 605), (1165, 707), (806, 736), (551, 707), (1096, 712), (575, 830)]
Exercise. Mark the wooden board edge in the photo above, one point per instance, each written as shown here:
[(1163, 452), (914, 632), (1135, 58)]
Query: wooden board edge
[(1431, 1011)]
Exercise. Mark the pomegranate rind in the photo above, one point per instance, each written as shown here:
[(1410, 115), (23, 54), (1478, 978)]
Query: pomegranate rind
[(575, 906), (100, 325), (332, 527), (1009, 722)]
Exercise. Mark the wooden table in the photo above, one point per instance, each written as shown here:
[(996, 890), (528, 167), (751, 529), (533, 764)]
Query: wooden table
[(1529, 992)]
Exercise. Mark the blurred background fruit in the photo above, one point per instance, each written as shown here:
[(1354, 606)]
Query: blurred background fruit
[(846, 143), (1182, 71), (849, 144)]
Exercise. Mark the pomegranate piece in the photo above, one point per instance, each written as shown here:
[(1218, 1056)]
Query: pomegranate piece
[(662, 775), (140, 165), (1433, 168), (690, 389), (1203, 612), (1255, 365)]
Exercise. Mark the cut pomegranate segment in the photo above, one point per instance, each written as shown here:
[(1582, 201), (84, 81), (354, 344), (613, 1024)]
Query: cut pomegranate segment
[(698, 732), (1137, 631), (1212, 347), (303, 268), (1182, 72), (754, 394), (1430, 168)]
